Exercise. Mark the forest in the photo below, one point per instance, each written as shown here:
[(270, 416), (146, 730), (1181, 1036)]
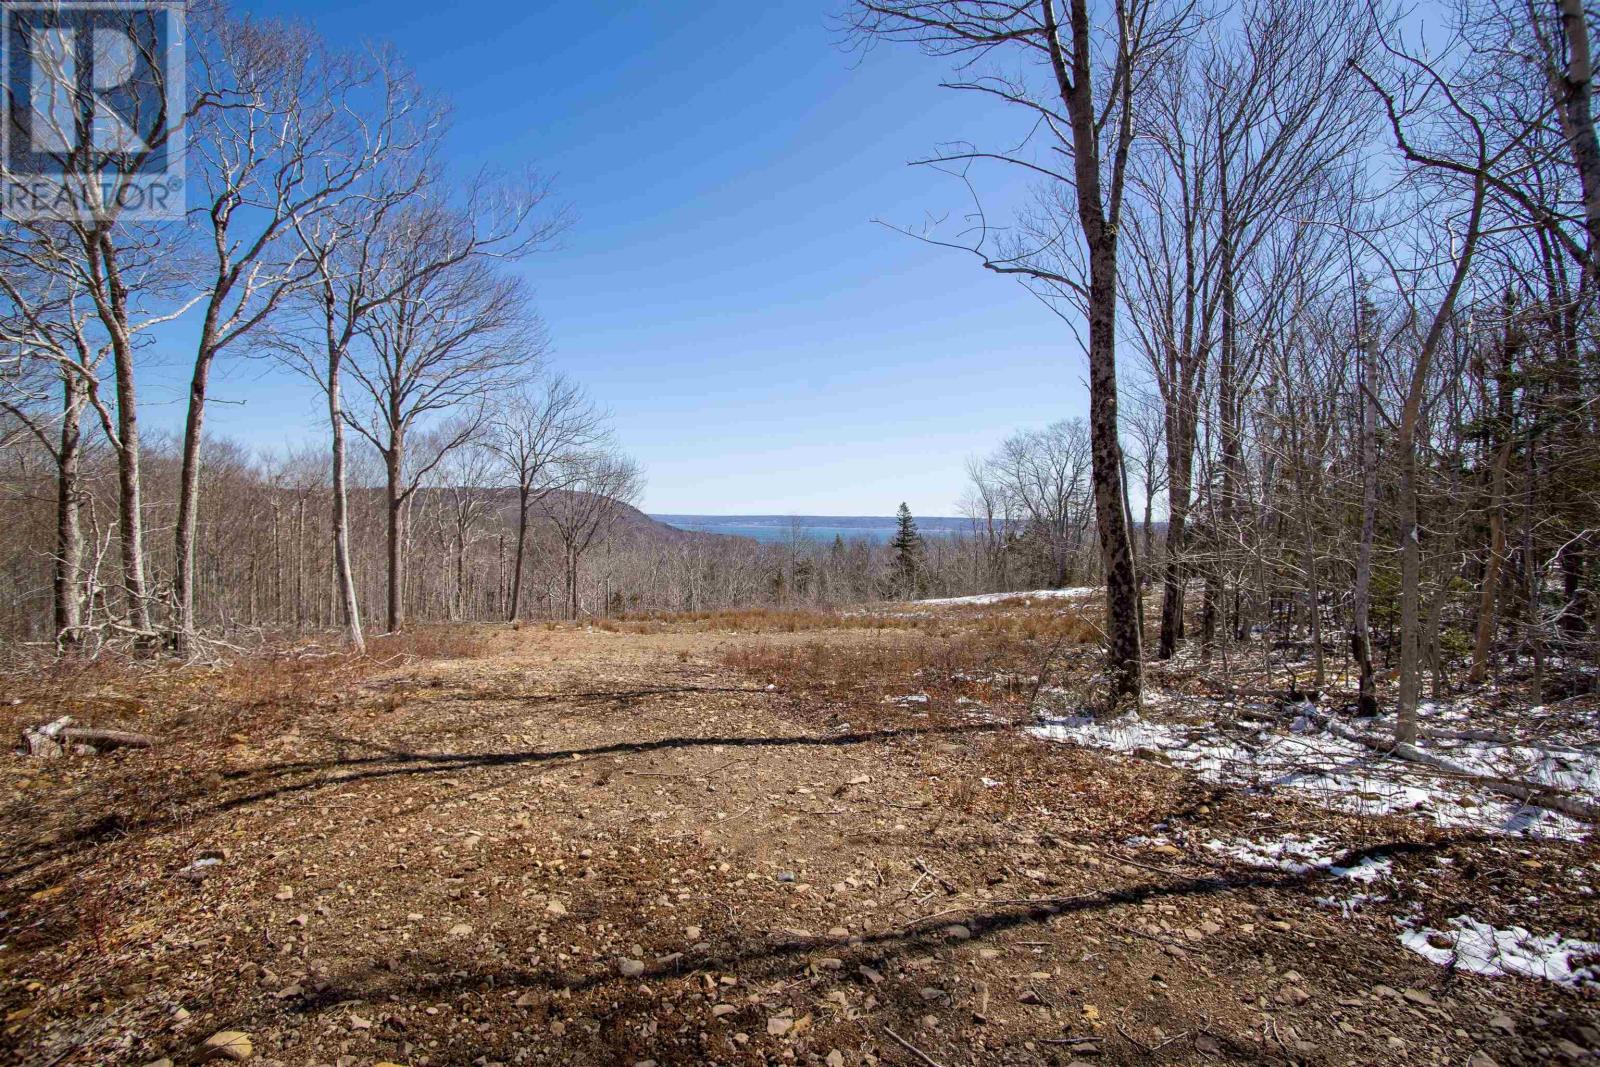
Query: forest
[(1299, 596)]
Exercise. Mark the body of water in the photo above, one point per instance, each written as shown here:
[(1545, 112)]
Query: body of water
[(779, 528)]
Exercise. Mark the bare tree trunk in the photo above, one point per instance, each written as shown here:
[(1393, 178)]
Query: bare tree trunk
[(113, 314), (67, 577), (1360, 628), (1533, 580), (189, 501), (1147, 531), (394, 459), (1124, 650), (130, 517), (1410, 573), (1406, 444), (300, 566), (1227, 415), (1180, 476), (572, 585), (522, 544), (460, 597), (1574, 92), (341, 512), (1212, 594), (1488, 594), (1314, 599)]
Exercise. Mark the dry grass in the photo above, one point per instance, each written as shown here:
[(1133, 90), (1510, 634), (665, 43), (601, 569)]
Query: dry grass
[(218, 700), (442, 641), (763, 620), (992, 657)]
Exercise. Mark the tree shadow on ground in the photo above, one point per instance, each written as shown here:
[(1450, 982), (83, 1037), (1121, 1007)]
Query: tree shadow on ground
[(441, 977), (393, 763)]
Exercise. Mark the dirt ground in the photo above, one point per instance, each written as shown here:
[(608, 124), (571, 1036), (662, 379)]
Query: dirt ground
[(575, 845)]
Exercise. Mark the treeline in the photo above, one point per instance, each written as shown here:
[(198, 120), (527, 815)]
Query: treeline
[(1335, 271), (265, 561)]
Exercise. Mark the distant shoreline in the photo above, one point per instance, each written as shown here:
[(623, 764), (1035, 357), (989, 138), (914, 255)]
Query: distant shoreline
[(773, 528)]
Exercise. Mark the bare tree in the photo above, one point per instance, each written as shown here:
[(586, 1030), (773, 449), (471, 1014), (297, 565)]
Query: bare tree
[(1095, 73), (599, 485), (1255, 125), (1422, 102), (1046, 474), (534, 435), (44, 329), (273, 146), (451, 332), (1360, 627), (394, 129), (1146, 427)]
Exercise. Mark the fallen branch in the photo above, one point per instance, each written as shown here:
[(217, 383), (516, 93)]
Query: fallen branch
[(914, 1050), (1538, 796)]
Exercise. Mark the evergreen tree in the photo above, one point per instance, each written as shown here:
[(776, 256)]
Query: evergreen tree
[(907, 547)]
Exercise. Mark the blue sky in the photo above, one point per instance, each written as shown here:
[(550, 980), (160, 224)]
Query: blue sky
[(764, 345)]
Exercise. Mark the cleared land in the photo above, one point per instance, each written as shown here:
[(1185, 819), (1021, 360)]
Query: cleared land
[(735, 839)]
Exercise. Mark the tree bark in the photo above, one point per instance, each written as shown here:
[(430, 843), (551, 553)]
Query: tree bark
[(1501, 440), (523, 491), (189, 500), (1124, 651), (341, 511), (1574, 93), (1360, 628), (67, 576), (572, 585), (394, 461), (1227, 414), (1406, 444), (130, 513), (111, 298), (1180, 485)]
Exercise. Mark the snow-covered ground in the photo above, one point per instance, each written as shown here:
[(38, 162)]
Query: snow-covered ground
[(1347, 776), (1477, 947), (1024, 597)]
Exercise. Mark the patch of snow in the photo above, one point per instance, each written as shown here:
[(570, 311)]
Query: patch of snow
[(1338, 773), (913, 698), (1300, 855), (1348, 906), (1476, 947), (998, 598), (1141, 841)]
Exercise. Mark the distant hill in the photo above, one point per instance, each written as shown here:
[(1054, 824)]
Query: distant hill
[(631, 524)]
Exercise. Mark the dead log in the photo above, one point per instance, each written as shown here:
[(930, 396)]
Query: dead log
[(1539, 796), (52, 739), (43, 741), (85, 735)]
